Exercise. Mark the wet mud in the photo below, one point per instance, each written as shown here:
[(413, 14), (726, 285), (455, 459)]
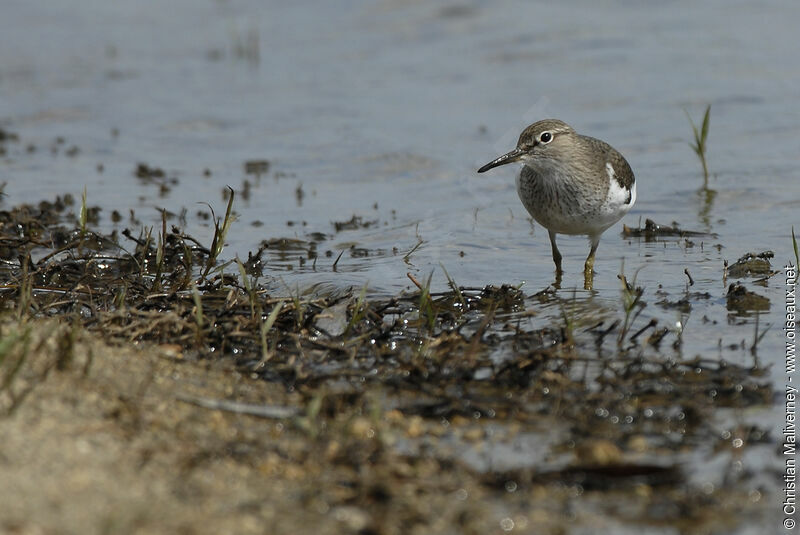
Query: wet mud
[(424, 409)]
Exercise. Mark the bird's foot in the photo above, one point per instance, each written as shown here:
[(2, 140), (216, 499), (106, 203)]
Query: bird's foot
[(588, 281)]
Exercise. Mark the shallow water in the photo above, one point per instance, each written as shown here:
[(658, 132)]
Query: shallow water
[(385, 110)]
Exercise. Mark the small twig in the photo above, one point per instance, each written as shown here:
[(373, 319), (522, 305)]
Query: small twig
[(691, 280), (262, 411), (417, 246), (337, 259), (652, 323), (415, 281), (454, 287), (796, 252)]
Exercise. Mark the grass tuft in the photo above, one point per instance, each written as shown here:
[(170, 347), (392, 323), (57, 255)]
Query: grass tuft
[(220, 233), (700, 137), (162, 237), (266, 326), (249, 288), (631, 299), (359, 311), (83, 217), (456, 290), (198, 310), (426, 306)]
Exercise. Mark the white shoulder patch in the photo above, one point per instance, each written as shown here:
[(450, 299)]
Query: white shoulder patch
[(619, 199), (617, 195)]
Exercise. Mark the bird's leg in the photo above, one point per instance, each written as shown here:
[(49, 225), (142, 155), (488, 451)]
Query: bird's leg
[(588, 271), (556, 253)]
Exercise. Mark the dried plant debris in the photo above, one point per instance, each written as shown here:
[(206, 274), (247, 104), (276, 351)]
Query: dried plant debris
[(8, 137), (752, 265), (739, 299), (144, 171), (287, 253), (653, 231), (5, 138), (155, 176), (684, 304), (386, 398), (354, 223), (256, 167)]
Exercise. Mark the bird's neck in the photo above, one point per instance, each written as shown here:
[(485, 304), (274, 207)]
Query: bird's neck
[(547, 169)]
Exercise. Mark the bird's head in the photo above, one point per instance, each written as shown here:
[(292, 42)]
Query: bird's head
[(548, 139)]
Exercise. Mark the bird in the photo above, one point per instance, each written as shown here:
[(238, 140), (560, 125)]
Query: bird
[(570, 184)]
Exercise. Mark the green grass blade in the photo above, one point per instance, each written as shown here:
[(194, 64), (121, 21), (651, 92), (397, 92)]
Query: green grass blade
[(358, 312), (265, 328), (704, 132), (198, 306)]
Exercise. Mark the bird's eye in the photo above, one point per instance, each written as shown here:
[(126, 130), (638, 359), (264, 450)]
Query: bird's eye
[(546, 137)]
